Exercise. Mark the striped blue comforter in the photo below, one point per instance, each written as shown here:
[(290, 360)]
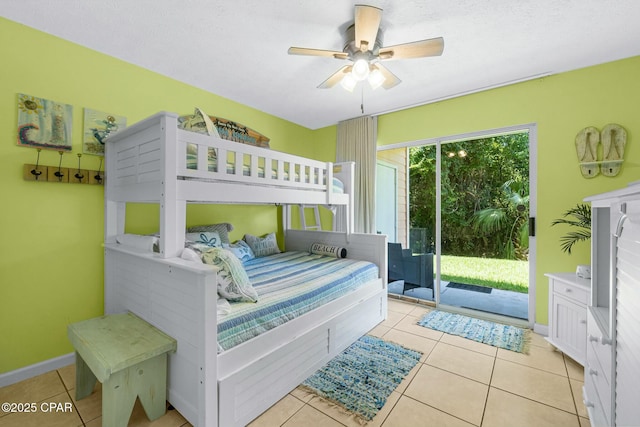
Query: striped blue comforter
[(290, 284)]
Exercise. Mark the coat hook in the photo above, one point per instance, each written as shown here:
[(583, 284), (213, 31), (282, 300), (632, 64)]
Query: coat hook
[(35, 172), (78, 175), (59, 173), (98, 177)]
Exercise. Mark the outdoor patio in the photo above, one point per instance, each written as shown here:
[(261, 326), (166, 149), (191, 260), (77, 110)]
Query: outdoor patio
[(506, 303)]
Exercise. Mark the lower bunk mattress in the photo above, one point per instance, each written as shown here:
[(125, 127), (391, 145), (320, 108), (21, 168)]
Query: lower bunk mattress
[(290, 284)]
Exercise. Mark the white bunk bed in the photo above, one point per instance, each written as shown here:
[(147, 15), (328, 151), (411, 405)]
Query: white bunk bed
[(146, 162)]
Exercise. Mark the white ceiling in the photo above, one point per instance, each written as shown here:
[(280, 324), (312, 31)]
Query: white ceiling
[(238, 48)]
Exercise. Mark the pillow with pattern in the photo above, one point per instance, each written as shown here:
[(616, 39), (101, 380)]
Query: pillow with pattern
[(233, 282), (222, 229), (263, 246), (209, 238), (240, 249)]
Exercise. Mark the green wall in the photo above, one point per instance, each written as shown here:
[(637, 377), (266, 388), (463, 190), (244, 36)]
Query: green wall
[(51, 260), (561, 106)]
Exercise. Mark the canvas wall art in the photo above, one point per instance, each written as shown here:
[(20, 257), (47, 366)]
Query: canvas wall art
[(97, 126), (43, 123)]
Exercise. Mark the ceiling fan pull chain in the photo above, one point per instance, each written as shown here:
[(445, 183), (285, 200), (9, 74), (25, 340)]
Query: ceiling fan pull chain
[(362, 98)]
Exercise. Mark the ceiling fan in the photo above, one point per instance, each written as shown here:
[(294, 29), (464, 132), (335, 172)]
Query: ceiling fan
[(363, 48)]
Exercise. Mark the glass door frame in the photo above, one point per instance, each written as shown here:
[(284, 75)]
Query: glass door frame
[(531, 128)]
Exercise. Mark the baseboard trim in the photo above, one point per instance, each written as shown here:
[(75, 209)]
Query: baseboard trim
[(31, 371), (541, 329)]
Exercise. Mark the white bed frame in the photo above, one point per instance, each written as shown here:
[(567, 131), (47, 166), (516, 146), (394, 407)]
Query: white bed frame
[(146, 163)]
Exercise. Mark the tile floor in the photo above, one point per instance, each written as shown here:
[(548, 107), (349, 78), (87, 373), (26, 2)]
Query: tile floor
[(458, 383)]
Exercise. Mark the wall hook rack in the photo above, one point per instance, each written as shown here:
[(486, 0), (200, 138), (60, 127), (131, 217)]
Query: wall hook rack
[(59, 174)]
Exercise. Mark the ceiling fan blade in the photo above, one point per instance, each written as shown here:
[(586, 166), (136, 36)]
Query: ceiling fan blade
[(335, 77), (418, 49), (367, 23), (317, 52), (390, 79)]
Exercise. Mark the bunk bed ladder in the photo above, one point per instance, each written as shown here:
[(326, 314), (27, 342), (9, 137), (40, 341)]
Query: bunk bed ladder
[(303, 220)]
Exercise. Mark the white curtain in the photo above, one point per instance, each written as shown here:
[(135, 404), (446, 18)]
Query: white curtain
[(356, 141)]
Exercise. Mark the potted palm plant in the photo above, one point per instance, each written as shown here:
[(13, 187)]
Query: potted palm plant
[(578, 217)]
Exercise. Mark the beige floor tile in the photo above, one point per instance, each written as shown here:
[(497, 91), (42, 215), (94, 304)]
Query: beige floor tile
[(584, 422), (400, 306), (539, 357), (576, 389), (535, 384), (411, 341), (302, 394), (539, 340), (89, 407), (34, 389), (309, 416), (393, 317), (68, 375), (410, 324), (409, 412), (450, 393), (419, 311), (574, 369), (54, 411), (508, 410), (461, 361), (472, 345), (279, 413), (379, 331)]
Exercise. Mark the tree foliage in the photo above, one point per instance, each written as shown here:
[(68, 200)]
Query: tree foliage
[(485, 196)]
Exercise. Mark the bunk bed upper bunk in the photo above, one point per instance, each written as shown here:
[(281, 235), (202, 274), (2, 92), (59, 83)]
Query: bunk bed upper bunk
[(153, 161)]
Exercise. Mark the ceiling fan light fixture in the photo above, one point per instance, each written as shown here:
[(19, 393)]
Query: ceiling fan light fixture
[(360, 69), (376, 78), (348, 82)]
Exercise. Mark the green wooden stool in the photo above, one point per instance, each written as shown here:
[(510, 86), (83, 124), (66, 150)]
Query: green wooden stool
[(129, 357)]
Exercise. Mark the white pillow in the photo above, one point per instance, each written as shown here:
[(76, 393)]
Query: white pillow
[(224, 308), (328, 250), (190, 255), (262, 246)]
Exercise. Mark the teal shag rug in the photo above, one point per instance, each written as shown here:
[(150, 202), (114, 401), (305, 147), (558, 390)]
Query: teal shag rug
[(495, 334), (361, 378)]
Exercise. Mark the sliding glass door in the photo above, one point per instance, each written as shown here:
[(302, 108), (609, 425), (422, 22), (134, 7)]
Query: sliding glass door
[(469, 202)]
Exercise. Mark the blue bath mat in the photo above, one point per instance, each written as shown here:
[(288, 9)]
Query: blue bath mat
[(495, 334), (361, 378)]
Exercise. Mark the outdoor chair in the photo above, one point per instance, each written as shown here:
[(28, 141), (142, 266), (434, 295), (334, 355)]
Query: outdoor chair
[(415, 270)]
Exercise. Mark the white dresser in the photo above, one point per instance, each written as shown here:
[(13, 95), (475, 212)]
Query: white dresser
[(612, 370), (568, 299)]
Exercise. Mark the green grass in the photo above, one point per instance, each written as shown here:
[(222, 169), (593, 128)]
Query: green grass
[(503, 274)]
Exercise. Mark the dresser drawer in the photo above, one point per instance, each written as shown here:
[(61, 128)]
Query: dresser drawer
[(597, 414), (572, 292), (596, 350), (596, 375)]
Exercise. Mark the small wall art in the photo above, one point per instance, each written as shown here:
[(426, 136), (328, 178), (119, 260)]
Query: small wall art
[(97, 126), (43, 123)]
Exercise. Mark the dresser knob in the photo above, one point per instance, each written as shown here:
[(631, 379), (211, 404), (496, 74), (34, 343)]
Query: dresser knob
[(583, 321), (593, 339), (606, 341), (567, 290), (588, 403), (593, 372)]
